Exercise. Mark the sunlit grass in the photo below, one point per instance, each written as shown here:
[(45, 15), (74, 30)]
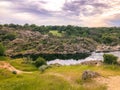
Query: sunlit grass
[(55, 33), (35, 81), (75, 71), (18, 63), (3, 58), (5, 74), (55, 78)]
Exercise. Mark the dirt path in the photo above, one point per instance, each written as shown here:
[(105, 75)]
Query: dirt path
[(112, 82), (6, 65)]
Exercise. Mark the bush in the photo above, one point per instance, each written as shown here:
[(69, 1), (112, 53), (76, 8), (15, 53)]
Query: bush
[(27, 60), (107, 39), (14, 72), (43, 68), (110, 59), (40, 61), (10, 36), (2, 50)]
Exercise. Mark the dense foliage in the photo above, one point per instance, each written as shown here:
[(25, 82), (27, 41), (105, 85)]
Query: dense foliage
[(64, 42), (40, 61), (2, 50), (43, 68), (110, 59), (100, 34)]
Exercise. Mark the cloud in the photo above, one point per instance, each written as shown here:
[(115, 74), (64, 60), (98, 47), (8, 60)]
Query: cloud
[(92, 13), (84, 7)]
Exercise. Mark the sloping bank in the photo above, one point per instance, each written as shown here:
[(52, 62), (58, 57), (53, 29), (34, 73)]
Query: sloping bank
[(69, 59), (95, 57), (50, 57)]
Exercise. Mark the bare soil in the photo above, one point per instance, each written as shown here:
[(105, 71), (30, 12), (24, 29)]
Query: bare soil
[(6, 65), (112, 82)]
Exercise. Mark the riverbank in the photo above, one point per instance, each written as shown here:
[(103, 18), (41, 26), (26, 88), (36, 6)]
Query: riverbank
[(50, 57), (93, 57), (55, 78)]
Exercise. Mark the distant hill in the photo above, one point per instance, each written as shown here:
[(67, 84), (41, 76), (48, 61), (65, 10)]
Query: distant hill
[(33, 39)]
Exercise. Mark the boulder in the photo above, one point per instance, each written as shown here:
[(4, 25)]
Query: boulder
[(89, 74)]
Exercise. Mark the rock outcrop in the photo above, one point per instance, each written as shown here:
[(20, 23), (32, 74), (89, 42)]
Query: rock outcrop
[(105, 48), (89, 74)]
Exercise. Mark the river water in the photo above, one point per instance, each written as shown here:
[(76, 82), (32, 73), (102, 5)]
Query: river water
[(93, 56)]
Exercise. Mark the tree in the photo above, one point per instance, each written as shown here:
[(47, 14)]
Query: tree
[(40, 61), (2, 50), (110, 59), (26, 26), (1, 26), (10, 36), (107, 39)]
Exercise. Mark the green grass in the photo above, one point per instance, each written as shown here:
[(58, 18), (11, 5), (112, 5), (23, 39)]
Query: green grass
[(3, 58), (38, 81), (5, 74), (55, 33), (55, 78), (34, 82), (76, 70), (18, 63)]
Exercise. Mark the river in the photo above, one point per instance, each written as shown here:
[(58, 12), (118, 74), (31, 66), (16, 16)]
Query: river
[(93, 56)]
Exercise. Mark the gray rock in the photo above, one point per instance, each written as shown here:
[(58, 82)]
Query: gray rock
[(89, 74)]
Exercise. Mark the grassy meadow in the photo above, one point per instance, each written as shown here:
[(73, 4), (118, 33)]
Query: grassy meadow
[(54, 78), (55, 33)]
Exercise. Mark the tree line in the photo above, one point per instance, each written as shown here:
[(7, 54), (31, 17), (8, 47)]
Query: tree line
[(105, 35)]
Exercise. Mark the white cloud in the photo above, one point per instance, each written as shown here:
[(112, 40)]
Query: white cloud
[(54, 13), (5, 4), (54, 5)]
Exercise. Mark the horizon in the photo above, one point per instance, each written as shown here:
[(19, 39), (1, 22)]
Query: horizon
[(83, 13), (61, 25)]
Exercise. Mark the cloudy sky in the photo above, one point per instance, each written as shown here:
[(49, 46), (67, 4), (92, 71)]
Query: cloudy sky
[(91, 13)]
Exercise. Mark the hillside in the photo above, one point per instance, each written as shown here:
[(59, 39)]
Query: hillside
[(24, 44), (57, 40)]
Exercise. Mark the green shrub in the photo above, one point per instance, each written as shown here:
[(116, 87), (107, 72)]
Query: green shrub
[(27, 60), (2, 50), (107, 39), (110, 59), (43, 68), (40, 61), (14, 72), (10, 36)]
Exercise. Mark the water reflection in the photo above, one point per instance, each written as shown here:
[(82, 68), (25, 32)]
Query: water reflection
[(93, 56)]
